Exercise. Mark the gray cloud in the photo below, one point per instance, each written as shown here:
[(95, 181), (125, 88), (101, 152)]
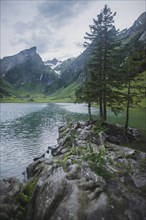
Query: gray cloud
[(59, 12), (43, 40), (44, 24), (22, 27), (42, 30), (34, 40)]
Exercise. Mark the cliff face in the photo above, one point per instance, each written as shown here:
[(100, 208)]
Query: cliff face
[(26, 66), (88, 177), (138, 26), (7, 63)]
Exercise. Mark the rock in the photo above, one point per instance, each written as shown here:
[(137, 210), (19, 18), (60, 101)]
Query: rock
[(49, 195), (101, 139), (74, 172), (34, 168), (114, 139), (98, 208), (133, 134), (84, 135), (9, 190), (73, 184), (39, 157), (77, 125), (118, 134), (139, 179), (10, 186)]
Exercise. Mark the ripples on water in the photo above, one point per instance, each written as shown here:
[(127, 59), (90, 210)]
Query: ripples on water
[(28, 129)]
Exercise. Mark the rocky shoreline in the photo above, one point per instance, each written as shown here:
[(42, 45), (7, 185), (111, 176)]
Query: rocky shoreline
[(90, 175)]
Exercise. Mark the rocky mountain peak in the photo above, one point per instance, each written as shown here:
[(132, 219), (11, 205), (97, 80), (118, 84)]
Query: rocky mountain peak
[(28, 52), (138, 25), (26, 66), (141, 21), (142, 18), (52, 63), (7, 63)]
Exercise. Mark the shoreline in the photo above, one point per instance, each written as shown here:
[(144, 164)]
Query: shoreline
[(87, 165)]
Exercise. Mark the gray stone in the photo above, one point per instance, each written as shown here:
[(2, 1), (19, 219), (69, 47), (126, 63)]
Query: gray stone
[(9, 190), (74, 172), (76, 191), (98, 208)]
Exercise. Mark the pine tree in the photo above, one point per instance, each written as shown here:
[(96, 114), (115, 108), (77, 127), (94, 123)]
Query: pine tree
[(103, 41), (84, 92), (135, 64)]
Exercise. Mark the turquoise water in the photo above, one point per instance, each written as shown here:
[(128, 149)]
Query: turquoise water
[(27, 129)]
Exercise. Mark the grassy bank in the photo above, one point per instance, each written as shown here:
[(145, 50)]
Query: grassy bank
[(63, 95)]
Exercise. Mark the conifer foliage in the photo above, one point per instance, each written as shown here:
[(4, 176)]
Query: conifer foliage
[(111, 68), (103, 50)]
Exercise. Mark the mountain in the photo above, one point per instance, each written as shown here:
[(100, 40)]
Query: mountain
[(138, 26), (6, 89), (75, 69), (25, 70), (52, 63), (27, 67)]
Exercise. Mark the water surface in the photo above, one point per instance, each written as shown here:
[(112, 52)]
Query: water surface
[(27, 129)]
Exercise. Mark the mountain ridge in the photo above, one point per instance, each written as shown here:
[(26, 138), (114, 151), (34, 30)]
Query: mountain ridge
[(28, 67)]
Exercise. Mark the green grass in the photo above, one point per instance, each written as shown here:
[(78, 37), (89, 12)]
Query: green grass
[(30, 88), (66, 94), (32, 93), (6, 89)]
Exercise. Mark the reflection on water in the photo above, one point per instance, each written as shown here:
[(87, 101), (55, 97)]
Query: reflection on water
[(28, 129)]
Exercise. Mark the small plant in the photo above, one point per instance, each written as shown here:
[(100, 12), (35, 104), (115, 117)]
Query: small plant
[(74, 151), (97, 162), (122, 167), (62, 162), (99, 127), (24, 197)]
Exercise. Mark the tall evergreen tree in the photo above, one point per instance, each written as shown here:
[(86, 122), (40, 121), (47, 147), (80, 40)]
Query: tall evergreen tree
[(135, 64), (84, 93), (103, 42)]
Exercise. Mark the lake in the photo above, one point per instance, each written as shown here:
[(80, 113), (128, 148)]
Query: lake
[(27, 129)]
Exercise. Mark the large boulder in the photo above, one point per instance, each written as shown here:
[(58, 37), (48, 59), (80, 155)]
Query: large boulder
[(9, 190)]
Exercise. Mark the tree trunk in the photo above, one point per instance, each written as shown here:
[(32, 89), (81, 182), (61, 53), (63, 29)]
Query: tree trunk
[(100, 105), (127, 107), (89, 111), (104, 107)]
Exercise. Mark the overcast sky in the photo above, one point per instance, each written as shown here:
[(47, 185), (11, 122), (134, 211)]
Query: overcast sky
[(57, 27)]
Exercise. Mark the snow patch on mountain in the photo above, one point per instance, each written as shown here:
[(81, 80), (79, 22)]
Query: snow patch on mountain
[(52, 63)]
